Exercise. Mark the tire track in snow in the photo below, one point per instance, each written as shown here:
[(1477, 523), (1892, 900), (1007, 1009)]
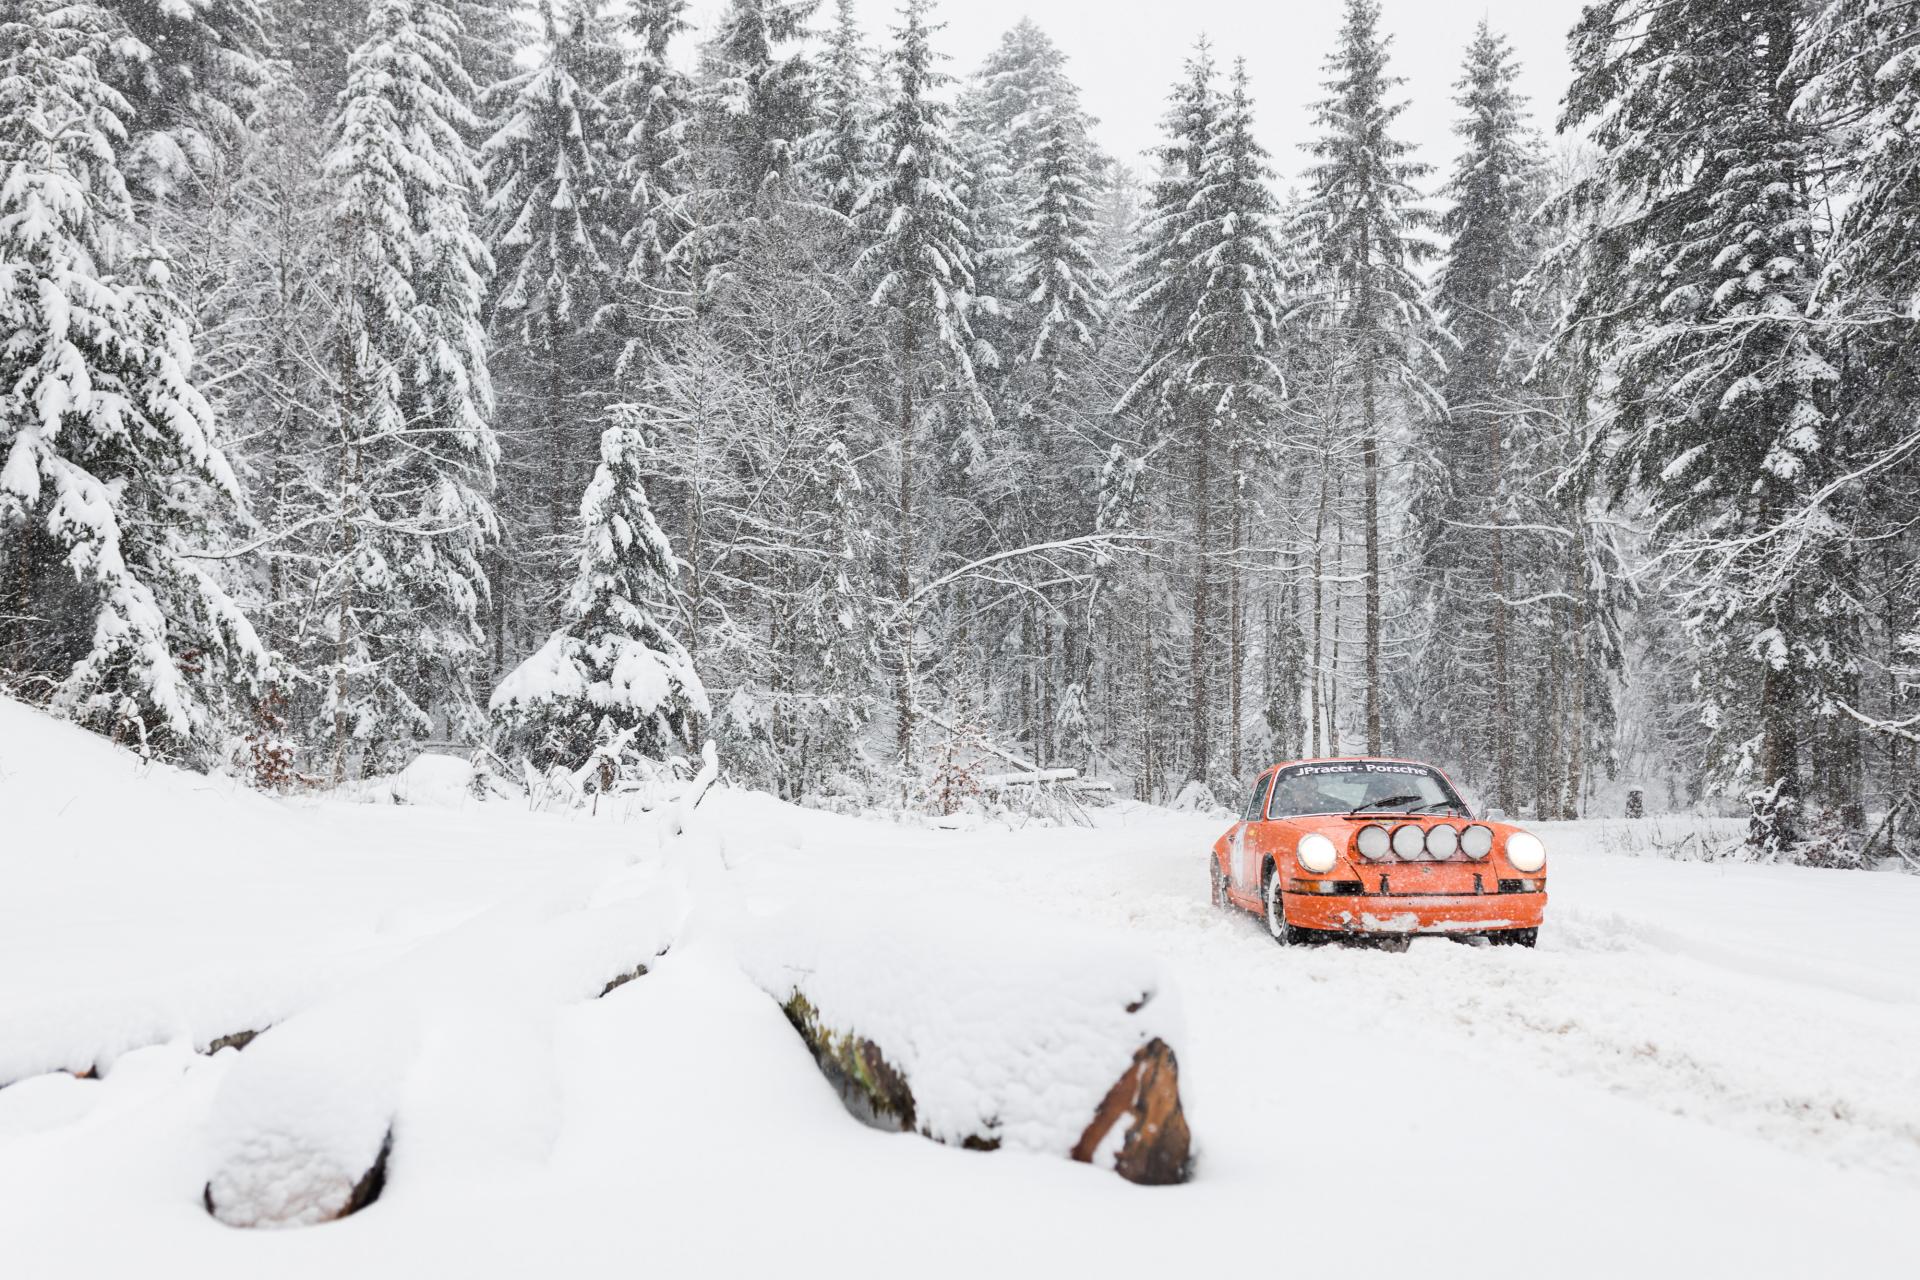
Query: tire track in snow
[(1819, 1072)]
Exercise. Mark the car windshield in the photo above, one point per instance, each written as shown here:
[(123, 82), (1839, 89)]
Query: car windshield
[(1376, 786)]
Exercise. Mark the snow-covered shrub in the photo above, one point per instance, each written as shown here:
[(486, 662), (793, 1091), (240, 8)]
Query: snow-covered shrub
[(1197, 797), (267, 753), (953, 784), (613, 669)]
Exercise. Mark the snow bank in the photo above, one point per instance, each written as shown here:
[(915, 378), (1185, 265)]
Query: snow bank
[(141, 904), (446, 1056), (1013, 1042)]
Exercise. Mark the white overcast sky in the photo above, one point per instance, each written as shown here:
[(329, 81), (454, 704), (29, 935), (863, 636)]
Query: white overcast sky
[(1125, 55)]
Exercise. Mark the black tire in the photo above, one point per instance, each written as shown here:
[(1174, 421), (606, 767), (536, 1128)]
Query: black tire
[(1275, 913), (1514, 937), (1217, 885)]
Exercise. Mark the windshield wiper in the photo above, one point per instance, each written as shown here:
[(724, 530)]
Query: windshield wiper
[(1374, 806), (1437, 804)]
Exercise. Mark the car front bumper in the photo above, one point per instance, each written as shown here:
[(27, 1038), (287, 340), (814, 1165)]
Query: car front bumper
[(1398, 913)]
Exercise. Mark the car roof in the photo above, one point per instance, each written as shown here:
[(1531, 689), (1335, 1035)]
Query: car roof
[(1288, 764)]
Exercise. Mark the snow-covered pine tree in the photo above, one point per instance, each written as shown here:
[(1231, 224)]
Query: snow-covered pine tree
[(975, 459), (251, 263), (1723, 384), (753, 106), (1235, 330), (1364, 216), (1055, 316), (1464, 497), (650, 101), (1862, 58), (493, 33), (108, 470), (920, 262), (192, 73), (1163, 284), (1018, 86), (1056, 280), (612, 671), (554, 215), (414, 474), (840, 151), (315, 38)]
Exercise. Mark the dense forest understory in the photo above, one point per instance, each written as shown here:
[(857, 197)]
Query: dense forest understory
[(557, 378)]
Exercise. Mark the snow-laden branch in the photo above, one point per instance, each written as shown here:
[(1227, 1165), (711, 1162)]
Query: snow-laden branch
[(1902, 729), (1087, 544)]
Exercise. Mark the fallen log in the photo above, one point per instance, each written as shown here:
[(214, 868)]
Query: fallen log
[(1062, 1049)]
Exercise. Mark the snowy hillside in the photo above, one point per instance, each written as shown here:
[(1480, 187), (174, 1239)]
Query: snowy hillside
[(1711, 1069)]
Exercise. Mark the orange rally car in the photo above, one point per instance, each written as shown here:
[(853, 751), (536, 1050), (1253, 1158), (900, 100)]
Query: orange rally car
[(1368, 846)]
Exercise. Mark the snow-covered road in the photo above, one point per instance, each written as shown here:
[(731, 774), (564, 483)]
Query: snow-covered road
[(1704, 1069)]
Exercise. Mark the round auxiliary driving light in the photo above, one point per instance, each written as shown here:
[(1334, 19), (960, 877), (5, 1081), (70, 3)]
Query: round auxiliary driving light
[(1477, 842), (1316, 853), (1525, 852), (1409, 841), (1442, 843), (1374, 842)]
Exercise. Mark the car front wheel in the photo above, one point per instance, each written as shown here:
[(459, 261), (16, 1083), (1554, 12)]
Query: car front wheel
[(1282, 932), (1217, 883)]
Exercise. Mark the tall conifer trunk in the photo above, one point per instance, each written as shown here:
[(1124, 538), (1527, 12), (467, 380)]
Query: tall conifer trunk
[(1202, 502)]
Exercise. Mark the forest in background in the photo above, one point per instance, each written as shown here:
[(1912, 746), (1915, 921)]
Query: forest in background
[(557, 377)]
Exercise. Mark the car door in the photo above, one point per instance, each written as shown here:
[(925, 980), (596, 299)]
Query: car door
[(1245, 871)]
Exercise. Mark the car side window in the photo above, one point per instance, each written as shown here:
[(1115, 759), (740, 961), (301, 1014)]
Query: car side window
[(1257, 811)]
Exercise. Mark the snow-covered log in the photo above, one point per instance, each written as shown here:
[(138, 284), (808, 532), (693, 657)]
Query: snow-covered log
[(1032, 778), (1052, 1044), (301, 1128)]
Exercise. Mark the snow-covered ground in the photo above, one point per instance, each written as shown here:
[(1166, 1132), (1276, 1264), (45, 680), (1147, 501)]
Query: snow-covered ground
[(1705, 1068)]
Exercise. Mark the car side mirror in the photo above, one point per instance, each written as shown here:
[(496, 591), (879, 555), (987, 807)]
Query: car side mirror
[(1496, 815)]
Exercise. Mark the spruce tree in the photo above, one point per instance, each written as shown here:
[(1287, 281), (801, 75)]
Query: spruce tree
[(1864, 77), (841, 149), (1237, 375), (192, 73), (1160, 287), (754, 105), (1164, 284), (612, 672), (649, 102), (109, 475), (1467, 558), (1723, 383), (554, 217), (492, 34), (551, 202), (1020, 85), (1365, 218), (414, 474), (1056, 282), (920, 263)]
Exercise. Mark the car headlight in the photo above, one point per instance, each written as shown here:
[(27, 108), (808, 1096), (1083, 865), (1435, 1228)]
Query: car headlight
[(1477, 841), (1374, 842), (1316, 852), (1525, 852), (1442, 842), (1409, 841)]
